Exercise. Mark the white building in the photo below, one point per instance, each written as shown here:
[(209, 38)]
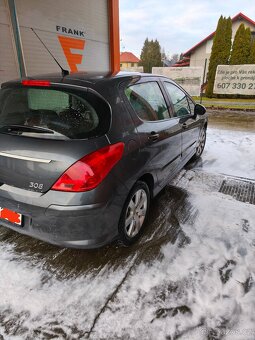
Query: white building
[(202, 51)]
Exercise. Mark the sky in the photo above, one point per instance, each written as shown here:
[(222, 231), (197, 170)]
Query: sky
[(178, 25)]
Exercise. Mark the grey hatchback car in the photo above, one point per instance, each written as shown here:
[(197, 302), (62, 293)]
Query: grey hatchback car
[(82, 156)]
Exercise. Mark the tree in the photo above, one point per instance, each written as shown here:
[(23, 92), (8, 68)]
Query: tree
[(175, 57), (144, 55), (151, 55), (163, 54), (252, 54), (248, 44), (241, 46), (164, 58), (228, 41), (156, 61), (220, 51)]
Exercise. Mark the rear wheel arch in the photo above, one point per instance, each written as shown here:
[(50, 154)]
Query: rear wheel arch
[(145, 181), (149, 180), (130, 216), (200, 143)]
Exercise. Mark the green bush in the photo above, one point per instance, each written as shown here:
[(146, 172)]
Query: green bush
[(220, 51)]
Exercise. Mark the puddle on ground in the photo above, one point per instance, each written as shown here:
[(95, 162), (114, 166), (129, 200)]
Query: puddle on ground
[(242, 121)]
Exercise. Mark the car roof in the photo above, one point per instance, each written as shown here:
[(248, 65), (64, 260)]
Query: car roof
[(80, 78)]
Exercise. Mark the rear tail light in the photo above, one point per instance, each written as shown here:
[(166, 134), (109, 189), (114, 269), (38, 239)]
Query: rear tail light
[(87, 173), (44, 83)]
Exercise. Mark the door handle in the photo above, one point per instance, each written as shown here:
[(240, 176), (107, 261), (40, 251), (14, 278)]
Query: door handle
[(184, 126), (153, 136)]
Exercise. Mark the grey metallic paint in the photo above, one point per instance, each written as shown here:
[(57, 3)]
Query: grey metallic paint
[(90, 219)]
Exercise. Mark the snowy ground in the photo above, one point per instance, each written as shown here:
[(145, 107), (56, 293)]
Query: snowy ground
[(230, 152), (190, 276)]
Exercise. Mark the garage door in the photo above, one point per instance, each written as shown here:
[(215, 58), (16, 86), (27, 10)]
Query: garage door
[(8, 63), (76, 32)]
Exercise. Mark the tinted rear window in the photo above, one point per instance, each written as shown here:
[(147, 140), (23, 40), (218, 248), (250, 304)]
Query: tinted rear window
[(74, 115)]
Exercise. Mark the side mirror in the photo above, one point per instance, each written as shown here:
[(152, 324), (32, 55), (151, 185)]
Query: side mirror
[(199, 110)]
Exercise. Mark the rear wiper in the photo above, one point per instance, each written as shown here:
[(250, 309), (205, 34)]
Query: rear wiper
[(25, 128)]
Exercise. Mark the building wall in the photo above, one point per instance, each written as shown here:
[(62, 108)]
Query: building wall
[(200, 54), (128, 65), (236, 25), (203, 52), (132, 69)]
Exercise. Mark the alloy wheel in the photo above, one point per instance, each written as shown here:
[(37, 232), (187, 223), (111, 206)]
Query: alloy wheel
[(136, 212), (201, 143)]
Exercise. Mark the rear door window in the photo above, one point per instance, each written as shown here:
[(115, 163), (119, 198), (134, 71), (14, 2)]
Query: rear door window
[(148, 101), (52, 113)]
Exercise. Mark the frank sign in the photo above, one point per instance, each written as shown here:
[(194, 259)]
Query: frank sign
[(68, 45), (83, 35)]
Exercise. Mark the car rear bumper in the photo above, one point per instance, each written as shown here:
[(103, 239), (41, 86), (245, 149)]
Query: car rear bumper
[(74, 226)]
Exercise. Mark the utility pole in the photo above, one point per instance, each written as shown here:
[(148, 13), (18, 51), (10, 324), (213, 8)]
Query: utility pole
[(16, 34), (204, 77)]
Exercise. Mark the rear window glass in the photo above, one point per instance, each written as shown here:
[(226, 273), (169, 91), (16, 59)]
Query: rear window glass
[(50, 113)]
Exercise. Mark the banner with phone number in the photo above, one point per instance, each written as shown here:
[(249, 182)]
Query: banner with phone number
[(235, 79)]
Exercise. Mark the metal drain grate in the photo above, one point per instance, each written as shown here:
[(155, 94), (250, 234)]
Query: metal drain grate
[(243, 191)]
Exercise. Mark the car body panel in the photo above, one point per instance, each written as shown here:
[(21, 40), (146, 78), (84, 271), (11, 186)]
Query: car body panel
[(190, 124), (43, 161), (90, 219), (160, 156), (190, 134)]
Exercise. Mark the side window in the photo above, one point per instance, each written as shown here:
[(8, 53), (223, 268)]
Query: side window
[(179, 100), (148, 102)]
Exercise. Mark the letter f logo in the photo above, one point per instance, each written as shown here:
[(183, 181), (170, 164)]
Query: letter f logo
[(72, 58)]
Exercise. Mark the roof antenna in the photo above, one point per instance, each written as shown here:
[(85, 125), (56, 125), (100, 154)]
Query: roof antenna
[(63, 71)]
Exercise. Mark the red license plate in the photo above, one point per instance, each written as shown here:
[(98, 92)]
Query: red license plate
[(11, 216)]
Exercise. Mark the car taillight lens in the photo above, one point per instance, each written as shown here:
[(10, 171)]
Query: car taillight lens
[(87, 173)]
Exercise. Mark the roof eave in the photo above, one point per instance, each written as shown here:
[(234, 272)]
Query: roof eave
[(236, 17)]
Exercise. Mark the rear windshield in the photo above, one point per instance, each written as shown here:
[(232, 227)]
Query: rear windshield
[(51, 113)]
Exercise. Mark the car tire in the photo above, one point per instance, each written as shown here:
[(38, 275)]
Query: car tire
[(134, 213), (200, 144)]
